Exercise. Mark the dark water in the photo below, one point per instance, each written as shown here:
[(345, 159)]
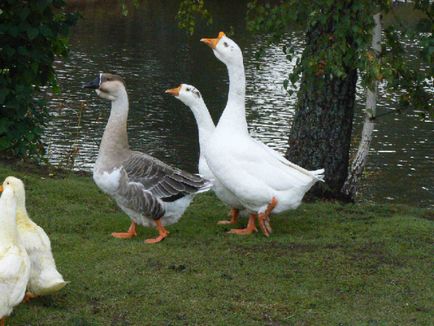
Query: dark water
[(148, 50)]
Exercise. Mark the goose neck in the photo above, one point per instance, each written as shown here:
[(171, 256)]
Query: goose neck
[(22, 215), (115, 138), (8, 229), (204, 122), (234, 115), (237, 85)]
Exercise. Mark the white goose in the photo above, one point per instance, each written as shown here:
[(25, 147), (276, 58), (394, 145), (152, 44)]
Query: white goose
[(261, 179), (44, 277), (192, 98), (14, 261), (149, 191)]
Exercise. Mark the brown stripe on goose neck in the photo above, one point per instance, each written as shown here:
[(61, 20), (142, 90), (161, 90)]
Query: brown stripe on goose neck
[(111, 77)]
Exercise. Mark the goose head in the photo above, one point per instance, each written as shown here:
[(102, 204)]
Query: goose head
[(225, 49), (108, 86), (187, 94), (16, 186)]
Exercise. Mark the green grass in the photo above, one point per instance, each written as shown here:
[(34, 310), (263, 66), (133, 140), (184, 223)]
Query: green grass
[(325, 264)]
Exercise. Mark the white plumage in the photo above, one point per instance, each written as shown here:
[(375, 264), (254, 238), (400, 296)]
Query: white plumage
[(192, 98), (44, 277), (14, 261), (261, 179)]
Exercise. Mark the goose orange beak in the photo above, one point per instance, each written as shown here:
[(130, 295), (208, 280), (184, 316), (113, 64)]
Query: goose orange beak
[(1, 188), (173, 91), (212, 42)]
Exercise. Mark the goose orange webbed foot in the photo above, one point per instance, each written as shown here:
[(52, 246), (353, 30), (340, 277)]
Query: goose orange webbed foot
[(131, 233), (264, 224), (245, 231), (163, 233), (156, 240), (234, 217), (264, 218), (251, 227), (29, 296)]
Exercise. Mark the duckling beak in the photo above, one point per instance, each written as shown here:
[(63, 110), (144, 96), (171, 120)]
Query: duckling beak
[(1, 188), (173, 91), (93, 84)]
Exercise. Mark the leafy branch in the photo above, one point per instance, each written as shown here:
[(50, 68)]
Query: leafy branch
[(190, 11)]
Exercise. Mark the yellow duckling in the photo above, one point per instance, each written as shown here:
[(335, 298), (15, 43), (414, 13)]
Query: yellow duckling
[(14, 261), (44, 277)]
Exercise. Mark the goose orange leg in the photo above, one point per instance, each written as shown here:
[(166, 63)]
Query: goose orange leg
[(234, 217), (3, 321), (264, 218), (29, 296), (251, 227), (163, 233), (126, 235)]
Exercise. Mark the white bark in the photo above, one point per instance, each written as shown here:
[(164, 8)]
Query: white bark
[(351, 184)]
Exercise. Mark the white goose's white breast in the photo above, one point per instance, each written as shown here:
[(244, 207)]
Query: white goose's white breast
[(107, 181)]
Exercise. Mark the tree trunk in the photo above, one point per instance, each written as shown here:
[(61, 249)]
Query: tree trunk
[(320, 135), (351, 184)]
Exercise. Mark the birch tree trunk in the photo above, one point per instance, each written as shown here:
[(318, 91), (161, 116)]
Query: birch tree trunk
[(352, 182)]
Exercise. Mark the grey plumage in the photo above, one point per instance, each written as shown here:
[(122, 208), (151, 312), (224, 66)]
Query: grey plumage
[(149, 191), (146, 181)]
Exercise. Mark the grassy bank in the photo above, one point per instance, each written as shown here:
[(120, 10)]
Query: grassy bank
[(325, 264)]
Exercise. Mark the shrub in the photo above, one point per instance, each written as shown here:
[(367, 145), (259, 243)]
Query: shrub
[(32, 34)]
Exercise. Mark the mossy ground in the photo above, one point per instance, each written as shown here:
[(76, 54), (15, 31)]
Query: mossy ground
[(325, 264)]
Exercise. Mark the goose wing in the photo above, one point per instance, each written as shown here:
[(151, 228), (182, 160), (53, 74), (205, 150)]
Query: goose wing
[(14, 274), (317, 174), (255, 165), (134, 196), (10, 265), (150, 182), (162, 180)]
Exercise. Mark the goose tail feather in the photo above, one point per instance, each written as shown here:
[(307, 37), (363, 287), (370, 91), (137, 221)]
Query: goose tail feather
[(206, 186), (318, 174)]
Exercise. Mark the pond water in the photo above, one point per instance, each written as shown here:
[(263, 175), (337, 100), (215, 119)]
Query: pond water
[(148, 50)]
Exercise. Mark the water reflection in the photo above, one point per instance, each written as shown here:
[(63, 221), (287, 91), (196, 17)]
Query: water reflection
[(148, 50)]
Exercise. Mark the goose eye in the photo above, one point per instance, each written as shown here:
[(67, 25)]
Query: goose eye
[(225, 44), (188, 89)]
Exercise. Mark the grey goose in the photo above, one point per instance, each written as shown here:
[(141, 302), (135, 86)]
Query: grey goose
[(149, 191)]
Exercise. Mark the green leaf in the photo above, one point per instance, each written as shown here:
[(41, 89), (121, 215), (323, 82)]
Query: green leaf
[(46, 32), (24, 13), (4, 125), (124, 9), (3, 93), (32, 33), (4, 143)]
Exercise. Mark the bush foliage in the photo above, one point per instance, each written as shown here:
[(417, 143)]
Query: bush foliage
[(32, 34)]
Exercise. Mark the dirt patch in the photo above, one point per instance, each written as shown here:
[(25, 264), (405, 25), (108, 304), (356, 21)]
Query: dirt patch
[(374, 255)]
